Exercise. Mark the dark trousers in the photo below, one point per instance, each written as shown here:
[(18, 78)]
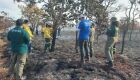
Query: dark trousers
[(47, 44), (29, 47), (84, 51), (91, 48)]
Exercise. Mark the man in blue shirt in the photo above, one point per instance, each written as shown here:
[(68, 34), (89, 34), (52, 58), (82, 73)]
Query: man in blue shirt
[(84, 27)]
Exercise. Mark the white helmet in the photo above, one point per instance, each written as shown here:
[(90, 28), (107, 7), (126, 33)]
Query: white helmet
[(82, 16), (49, 23)]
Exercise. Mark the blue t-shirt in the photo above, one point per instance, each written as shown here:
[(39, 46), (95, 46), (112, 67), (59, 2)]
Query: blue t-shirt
[(84, 27)]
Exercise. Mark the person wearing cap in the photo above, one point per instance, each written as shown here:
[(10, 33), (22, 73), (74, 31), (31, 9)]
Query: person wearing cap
[(47, 34), (19, 40), (28, 30), (84, 31), (112, 37)]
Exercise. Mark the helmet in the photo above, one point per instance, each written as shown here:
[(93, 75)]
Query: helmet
[(19, 22), (26, 21), (113, 19), (50, 23), (81, 16)]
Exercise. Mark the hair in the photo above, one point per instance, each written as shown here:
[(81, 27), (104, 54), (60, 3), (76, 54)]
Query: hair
[(26, 21), (19, 22)]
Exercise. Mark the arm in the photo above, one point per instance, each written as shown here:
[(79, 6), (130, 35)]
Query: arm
[(26, 37), (8, 36), (80, 26)]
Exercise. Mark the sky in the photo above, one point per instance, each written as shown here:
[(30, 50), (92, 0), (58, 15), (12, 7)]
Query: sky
[(11, 8), (13, 11)]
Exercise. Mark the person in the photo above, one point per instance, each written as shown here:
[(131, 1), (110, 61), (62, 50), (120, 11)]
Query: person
[(19, 40), (47, 34), (28, 30), (91, 39), (59, 31), (76, 36), (84, 27), (37, 33), (112, 36)]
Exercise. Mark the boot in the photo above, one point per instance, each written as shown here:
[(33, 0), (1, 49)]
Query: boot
[(110, 64)]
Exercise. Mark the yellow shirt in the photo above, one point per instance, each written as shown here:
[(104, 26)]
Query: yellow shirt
[(117, 35), (42, 29), (91, 36), (27, 29), (47, 32)]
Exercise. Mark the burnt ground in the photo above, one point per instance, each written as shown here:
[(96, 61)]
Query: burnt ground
[(63, 63)]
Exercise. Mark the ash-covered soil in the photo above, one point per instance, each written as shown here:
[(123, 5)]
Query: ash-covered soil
[(63, 63)]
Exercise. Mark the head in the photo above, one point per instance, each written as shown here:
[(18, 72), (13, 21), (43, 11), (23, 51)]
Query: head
[(114, 21), (92, 25), (19, 22), (82, 17), (26, 21), (47, 25)]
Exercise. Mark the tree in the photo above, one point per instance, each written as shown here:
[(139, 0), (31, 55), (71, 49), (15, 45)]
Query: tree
[(132, 2), (5, 21), (57, 9), (101, 9), (135, 16), (33, 13)]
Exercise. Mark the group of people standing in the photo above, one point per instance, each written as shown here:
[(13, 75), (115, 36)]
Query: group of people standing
[(21, 37), (86, 39)]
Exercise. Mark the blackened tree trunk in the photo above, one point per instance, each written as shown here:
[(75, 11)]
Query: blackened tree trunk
[(126, 29), (123, 40), (132, 29), (53, 40)]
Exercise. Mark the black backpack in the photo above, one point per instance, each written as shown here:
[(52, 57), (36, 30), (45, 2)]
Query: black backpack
[(111, 31)]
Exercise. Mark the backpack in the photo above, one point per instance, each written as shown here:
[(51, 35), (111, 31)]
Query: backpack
[(111, 32)]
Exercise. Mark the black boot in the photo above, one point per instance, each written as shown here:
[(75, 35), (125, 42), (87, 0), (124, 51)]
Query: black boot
[(110, 64)]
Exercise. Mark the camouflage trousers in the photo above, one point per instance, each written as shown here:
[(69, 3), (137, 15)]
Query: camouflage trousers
[(91, 44), (17, 64), (109, 49)]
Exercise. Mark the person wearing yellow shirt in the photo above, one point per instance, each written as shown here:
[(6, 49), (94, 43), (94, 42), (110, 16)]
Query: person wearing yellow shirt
[(28, 30), (91, 39), (47, 34)]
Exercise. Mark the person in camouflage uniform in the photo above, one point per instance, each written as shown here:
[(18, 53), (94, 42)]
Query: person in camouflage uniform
[(112, 36), (91, 39)]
